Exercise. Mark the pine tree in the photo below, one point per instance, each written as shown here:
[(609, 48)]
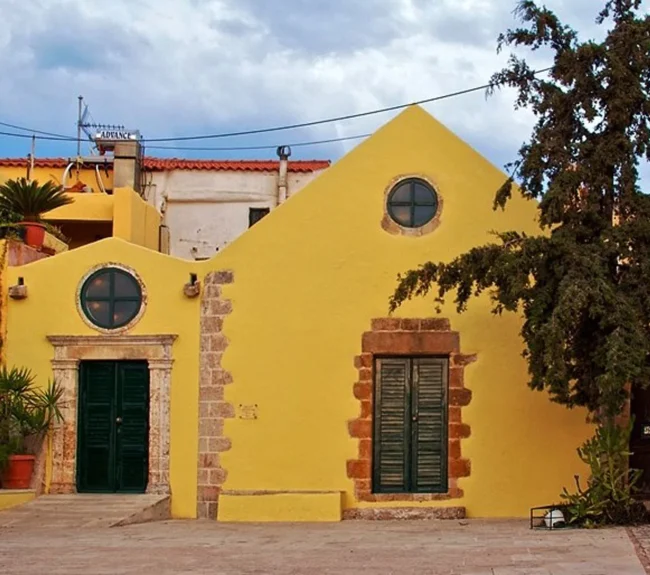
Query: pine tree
[(582, 284)]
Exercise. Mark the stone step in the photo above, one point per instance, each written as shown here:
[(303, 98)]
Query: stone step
[(81, 510)]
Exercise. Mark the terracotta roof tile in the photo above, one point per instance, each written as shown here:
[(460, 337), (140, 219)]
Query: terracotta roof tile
[(165, 164), (40, 163), (168, 164)]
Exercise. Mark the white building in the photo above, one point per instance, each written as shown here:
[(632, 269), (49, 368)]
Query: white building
[(206, 204)]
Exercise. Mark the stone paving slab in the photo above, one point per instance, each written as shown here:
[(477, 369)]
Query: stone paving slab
[(64, 512), (400, 548)]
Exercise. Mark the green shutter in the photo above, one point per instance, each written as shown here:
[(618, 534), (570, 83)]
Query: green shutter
[(429, 432), (391, 457), (410, 425), (95, 451), (133, 433)]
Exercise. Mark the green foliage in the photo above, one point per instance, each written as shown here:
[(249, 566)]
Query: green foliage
[(9, 227), (609, 496), (7, 217), (26, 411), (30, 200), (583, 285)]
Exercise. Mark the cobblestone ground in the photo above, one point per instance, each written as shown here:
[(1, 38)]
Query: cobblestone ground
[(201, 547)]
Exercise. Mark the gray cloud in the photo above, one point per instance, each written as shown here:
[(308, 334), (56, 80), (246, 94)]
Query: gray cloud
[(81, 44), (321, 26), (171, 67)]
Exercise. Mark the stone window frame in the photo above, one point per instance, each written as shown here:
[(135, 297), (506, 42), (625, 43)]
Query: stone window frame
[(392, 227), (410, 337), (69, 352), (136, 318)]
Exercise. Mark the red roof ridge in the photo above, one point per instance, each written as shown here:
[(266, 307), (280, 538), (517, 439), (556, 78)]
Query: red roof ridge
[(168, 164)]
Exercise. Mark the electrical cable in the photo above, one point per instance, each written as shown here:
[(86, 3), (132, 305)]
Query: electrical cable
[(49, 138), (277, 128), (212, 149), (335, 119), (250, 148), (32, 131)]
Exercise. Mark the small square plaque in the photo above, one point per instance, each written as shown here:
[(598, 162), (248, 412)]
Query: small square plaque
[(248, 411)]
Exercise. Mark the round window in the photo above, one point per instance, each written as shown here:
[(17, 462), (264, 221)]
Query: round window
[(111, 298), (412, 203)]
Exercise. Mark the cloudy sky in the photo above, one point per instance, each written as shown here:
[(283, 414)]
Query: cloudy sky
[(179, 67)]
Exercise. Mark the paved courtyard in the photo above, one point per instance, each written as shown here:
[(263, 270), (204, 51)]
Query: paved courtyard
[(201, 547)]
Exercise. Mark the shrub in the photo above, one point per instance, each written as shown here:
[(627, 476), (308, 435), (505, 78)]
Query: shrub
[(608, 498)]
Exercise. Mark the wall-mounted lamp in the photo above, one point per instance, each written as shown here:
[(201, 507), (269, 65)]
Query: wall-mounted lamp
[(19, 291), (193, 287)]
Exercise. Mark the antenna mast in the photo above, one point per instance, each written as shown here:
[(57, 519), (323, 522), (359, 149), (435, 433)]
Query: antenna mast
[(79, 122)]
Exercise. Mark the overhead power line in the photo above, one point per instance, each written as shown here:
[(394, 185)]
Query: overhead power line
[(60, 137), (33, 131), (331, 120), (208, 148), (30, 136), (250, 148)]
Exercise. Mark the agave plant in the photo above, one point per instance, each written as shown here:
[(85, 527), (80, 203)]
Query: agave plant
[(30, 199), (26, 411)]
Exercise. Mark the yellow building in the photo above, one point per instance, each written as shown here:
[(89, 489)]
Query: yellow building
[(100, 209), (269, 383)]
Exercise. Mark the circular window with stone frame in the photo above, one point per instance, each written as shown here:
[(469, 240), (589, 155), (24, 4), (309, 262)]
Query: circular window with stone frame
[(111, 298), (412, 206)]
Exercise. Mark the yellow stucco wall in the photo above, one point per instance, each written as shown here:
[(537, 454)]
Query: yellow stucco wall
[(308, 280), (13, 497), (274, 507), (135, 220), (86, 208), (50, 309), (42, 175)]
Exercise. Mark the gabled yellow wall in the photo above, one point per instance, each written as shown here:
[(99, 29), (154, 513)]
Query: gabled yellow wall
[(50, 309), (308, 280)]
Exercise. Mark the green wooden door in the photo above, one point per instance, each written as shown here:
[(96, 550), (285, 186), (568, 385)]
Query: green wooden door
[(113, 433), (410, 425)]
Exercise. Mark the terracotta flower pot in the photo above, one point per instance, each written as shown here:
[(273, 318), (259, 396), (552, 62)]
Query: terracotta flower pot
[(34, 234), (18, 473)]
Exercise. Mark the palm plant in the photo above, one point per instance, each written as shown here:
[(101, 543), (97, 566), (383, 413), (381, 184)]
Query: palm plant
[(31, 199), (26, 411)]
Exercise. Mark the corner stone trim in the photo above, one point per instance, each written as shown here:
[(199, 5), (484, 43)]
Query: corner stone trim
[(213, 410), (430, 336)]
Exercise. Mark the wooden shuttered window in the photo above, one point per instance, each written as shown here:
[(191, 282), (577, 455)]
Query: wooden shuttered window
[(410, 425)]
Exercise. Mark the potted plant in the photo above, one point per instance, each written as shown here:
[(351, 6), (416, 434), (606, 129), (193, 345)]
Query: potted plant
[(26, 413), (31, 200)]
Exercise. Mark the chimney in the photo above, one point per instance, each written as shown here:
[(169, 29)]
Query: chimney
[(126, 165), (284, 153)]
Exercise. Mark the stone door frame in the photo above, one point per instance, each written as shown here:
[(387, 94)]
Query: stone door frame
[(69, 351)]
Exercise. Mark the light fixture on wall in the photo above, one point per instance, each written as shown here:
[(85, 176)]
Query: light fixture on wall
[(193, 287), (18, 291)]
